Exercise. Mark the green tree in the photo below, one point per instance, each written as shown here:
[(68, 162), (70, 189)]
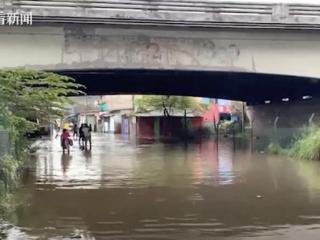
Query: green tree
[(29, 98), (167, 104)]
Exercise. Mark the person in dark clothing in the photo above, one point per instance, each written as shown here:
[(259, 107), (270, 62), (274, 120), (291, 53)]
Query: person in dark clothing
[(87, 135), (81, 135), (75, 131)]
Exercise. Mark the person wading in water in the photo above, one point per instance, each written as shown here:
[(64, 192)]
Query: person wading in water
[(65, 141), (75, 131), (87, 136)]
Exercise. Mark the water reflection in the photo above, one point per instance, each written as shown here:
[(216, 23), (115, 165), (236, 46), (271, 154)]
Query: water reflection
[(121, 190), (65, 162), (310, 173)]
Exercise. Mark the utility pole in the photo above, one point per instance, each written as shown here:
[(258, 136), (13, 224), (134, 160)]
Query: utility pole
[(185, 124), (243, 117)]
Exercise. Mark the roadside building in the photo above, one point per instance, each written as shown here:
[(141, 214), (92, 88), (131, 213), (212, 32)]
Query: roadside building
[(114, 121), (154, 125)]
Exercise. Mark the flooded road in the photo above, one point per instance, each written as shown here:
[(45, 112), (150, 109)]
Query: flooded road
[(125, 190)]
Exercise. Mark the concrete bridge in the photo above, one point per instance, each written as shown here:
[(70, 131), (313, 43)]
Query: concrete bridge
[(182, 13), (255, 52), (278, 39), (170, 34), (81, 48), (164, 34)]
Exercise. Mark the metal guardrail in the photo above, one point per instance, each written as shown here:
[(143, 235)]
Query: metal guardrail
[(202, 13)]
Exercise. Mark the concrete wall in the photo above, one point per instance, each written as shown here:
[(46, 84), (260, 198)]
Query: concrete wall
[(91, 47), (283, 121)]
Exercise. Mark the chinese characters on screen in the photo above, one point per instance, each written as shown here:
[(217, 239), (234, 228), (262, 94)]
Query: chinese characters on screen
[(15, 18)]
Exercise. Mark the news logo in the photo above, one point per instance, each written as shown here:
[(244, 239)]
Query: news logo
[(15, 18)]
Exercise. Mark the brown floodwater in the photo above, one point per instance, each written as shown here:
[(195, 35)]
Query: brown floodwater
[(125, 190)]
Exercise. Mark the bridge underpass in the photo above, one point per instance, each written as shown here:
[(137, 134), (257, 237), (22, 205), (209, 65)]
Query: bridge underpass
[(253, 88), (186, 47), (282, 101), (229, 50)]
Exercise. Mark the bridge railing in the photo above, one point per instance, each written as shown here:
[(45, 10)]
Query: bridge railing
[(304, 10), (202, 12), (147, 5)]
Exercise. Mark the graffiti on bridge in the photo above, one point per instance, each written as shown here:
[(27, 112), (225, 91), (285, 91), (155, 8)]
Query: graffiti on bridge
[(137, 51)]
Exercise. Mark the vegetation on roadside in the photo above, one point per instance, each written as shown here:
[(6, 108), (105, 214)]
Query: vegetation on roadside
[(167, 104), (305, 146), (8, 173), (229, 127), (10, 201), (28, 99), (276, 149)]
